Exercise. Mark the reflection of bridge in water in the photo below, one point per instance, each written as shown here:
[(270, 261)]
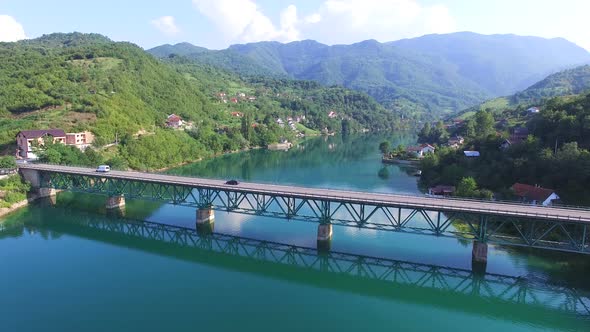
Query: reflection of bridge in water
[(483, 222), (402, 280)]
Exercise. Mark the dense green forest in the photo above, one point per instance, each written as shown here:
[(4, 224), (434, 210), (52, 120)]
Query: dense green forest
[(555, 154), (421, 77), (121, 93)]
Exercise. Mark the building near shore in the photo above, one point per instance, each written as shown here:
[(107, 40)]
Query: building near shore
[(27, 140), (80, 140), (534, 194)]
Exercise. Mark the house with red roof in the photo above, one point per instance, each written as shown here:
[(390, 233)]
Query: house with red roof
[(174, 121), (534, 194), (421, 150), (441, 190)]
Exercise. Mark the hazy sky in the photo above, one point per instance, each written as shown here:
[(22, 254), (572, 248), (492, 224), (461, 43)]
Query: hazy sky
[(220, 23)]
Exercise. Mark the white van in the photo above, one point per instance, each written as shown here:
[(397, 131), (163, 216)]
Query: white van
[(103, 168)]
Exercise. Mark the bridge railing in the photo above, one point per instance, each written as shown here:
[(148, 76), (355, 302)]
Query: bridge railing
[(457, 199)]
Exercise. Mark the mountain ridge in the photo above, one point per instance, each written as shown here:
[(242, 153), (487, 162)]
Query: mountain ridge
[(432, 74)]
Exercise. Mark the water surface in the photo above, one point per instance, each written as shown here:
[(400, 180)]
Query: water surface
[(71, 267)]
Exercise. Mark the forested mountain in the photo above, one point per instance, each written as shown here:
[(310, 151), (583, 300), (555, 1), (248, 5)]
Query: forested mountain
[(117, 90), (430, 74), (182, 49), (568, 82), (501, 64), (78, 81)]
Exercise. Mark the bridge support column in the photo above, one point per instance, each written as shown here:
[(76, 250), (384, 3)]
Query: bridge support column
[(324, 240), (479, 257), (115, 202), (205, 220)]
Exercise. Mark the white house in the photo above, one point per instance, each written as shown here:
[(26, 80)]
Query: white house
[(533, 110), (534, 194), (421, 150)]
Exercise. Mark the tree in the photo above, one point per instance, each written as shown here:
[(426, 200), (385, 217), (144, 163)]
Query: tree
[(383, 173), (384, 147), (467, 187), (439, 133), (469, 129), (345, 127), (425, 134), (51, 156), (245, 128), (7, 162), (484, 123)]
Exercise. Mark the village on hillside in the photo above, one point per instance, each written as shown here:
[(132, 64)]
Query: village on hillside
[(413, 155)]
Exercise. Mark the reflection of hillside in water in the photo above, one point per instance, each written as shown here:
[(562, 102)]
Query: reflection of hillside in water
[(459, 289), (350, 161)]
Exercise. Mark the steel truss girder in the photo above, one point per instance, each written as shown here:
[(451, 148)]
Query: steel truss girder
[(494, 286), (546, 234)]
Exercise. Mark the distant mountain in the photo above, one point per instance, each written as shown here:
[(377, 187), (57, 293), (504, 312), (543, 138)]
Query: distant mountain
[(567, 82), (564, 83), (501, 64), (183, 49), (430, 74)]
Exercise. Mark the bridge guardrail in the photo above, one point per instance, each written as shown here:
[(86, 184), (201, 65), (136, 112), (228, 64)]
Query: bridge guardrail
[(547, 215)]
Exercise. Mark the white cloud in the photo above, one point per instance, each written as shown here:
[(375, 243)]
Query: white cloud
[(242, 21), (10, 29), (348, 21), (167, 25), (313, 18), (334, 21)]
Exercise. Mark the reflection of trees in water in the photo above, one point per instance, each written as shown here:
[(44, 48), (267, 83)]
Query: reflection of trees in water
[(383, 173), (557, 267), (322, 151)]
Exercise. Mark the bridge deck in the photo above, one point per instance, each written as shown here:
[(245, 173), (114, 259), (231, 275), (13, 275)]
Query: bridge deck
[(354, 197)]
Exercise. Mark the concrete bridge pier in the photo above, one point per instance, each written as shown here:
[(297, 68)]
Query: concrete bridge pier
[(479, 257), (324, 240), (115, 202), (205, 220), (45, 201)]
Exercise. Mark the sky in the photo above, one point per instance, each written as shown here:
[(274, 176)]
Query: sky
[(216, 24)]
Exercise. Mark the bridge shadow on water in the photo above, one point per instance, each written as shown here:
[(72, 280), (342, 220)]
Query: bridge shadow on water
[(497, 295)]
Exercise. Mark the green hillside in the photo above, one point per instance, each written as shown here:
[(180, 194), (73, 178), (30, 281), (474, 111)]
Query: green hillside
[(568, 82), (282, 98), (429, 76), (116, 90)]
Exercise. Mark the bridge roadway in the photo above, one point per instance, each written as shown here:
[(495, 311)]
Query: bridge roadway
[(576, 215)]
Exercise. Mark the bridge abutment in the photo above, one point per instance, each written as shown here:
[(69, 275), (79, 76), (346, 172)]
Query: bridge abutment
[(324, 239), (479, 257), (205, 220), (115, 202)]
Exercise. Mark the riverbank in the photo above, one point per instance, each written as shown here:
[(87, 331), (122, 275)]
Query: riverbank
[(14, 207), (396, 161)]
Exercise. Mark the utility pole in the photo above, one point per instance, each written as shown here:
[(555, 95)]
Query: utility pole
[(555, 152)]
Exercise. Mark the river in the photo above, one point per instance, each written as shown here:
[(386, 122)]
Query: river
[(71, 267)]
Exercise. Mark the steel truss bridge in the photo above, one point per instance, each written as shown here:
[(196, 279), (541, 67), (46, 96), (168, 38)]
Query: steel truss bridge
[(555, 228), (388, 273)]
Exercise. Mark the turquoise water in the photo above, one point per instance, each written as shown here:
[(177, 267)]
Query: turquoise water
[(70, 267)]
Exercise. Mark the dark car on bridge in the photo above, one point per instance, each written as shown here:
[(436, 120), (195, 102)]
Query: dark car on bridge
[(232, 182)]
